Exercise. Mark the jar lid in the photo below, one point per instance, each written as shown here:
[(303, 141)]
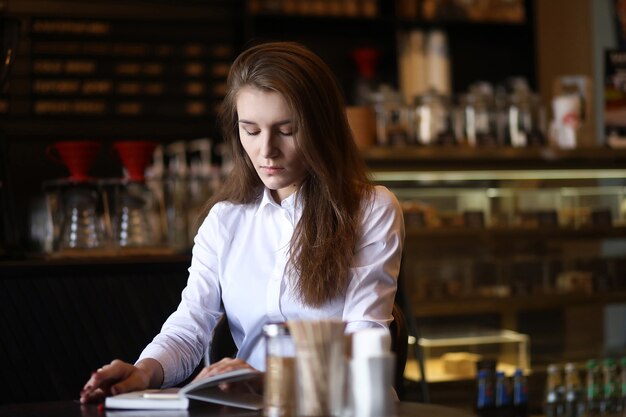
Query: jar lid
[(276, 329)]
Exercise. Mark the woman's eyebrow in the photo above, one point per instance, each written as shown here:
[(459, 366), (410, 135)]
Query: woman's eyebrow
[(249, 122)]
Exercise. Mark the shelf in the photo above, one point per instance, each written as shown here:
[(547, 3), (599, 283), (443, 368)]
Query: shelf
[(461, 25), (23, 129), (275, 23), (40, 266), (444, 158), (382, 19), (270, 17), (483, 305), (506, 233)]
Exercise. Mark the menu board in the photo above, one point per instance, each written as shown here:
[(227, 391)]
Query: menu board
[(111, 68)]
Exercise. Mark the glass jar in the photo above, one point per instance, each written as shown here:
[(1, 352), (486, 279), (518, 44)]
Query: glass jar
[(433, 120), (525, 120), (478, 126), (280, 370), (393, 118)]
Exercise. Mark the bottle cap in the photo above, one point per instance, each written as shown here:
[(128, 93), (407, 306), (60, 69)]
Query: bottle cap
[(608, 362), (371, 342), (276, 329), (570, 366), (552, 368)]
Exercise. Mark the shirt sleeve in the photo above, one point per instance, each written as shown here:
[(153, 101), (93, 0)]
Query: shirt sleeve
[(373, 284), (186, 334)]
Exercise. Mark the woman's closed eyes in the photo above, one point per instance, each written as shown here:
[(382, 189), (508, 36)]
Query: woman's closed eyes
[(280, 132)]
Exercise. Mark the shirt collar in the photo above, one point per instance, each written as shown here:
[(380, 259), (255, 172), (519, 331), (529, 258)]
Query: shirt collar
[(290, 203)]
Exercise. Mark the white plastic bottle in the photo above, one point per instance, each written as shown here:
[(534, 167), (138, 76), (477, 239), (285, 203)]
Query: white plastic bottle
[(372, 373)]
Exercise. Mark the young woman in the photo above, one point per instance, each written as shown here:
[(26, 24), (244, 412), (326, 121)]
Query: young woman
[(296, 232)]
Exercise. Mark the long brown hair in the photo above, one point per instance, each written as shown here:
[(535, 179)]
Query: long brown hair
[(322, 246)]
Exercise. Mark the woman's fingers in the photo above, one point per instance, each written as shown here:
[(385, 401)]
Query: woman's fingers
[(93, 397), (225, 365), (101, 382), (137, 380)]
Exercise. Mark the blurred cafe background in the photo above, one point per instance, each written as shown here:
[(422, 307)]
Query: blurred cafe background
[(499, 124)]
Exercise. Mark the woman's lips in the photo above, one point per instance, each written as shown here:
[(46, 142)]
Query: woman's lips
[(271, 169)]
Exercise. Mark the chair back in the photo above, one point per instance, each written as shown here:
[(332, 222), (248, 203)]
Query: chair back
[(222, 343), (399, 345)]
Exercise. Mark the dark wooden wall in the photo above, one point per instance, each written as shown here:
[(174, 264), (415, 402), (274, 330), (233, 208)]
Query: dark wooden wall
[(60, 322)]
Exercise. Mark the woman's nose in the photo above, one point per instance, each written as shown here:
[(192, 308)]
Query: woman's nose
[(268, 146)]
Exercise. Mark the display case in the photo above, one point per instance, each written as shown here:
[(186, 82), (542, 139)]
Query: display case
[(450, 356), (531, 240)]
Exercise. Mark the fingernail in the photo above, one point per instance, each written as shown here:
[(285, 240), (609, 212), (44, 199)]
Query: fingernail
[(114, 390)]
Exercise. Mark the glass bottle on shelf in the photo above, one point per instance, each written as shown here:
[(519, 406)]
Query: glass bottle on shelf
[(553, 398), (574, 405), (610, 399), (622, 379), (593, 383)]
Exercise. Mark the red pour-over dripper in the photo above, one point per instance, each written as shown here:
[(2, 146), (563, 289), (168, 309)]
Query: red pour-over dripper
[(366, 61), (135, 156), (77, 156)]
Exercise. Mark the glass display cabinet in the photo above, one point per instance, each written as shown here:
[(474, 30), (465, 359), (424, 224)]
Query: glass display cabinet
[(455, 355), (527, 240)]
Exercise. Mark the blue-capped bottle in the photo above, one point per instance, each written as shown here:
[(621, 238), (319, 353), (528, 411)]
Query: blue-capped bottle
[(485, 396), (503, 391), (520, 394), (502, 395)]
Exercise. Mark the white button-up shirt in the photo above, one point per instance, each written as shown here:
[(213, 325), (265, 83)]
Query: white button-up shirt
[(239, 259)]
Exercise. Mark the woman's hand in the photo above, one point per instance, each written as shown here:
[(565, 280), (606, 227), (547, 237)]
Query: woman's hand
[(226, 365), (119, 377)]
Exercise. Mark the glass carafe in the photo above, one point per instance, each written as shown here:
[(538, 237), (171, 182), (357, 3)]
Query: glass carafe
[(81, 225), (135, 214)]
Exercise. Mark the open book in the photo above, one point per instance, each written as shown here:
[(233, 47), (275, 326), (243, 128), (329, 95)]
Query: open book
[(204, 390)]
